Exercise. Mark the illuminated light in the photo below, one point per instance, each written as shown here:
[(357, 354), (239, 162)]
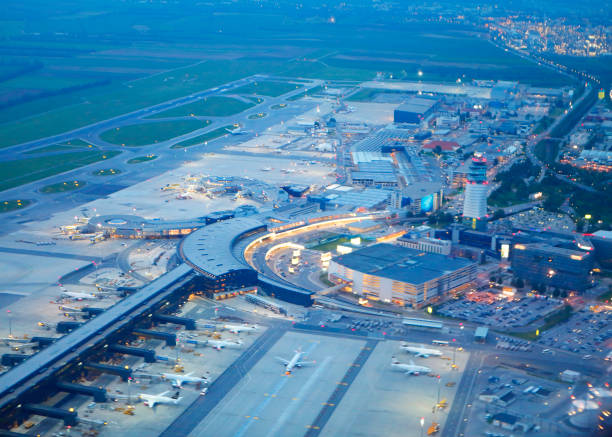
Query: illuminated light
[(574, 257), (519, 246)]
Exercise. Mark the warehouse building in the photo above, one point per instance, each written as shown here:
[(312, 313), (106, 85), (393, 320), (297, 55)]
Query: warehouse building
[(415, 110), (402, 276)]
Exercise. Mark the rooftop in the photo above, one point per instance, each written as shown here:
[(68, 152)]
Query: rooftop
[(417, 104), (401, 263), (210, 248)]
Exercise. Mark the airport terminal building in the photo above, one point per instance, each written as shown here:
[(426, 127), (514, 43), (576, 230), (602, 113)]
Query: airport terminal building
[(402, 276)]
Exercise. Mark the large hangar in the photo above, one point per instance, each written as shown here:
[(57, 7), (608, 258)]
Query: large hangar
[(414, 110), (399, 275)]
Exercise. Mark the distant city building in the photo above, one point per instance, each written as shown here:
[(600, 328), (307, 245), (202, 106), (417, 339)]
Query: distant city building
[(552, 266), (476, 192), (402, 276)]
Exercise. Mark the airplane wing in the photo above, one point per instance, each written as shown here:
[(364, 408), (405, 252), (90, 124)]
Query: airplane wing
[(304, 363), (282, 360), (422, 355), (164, 393)]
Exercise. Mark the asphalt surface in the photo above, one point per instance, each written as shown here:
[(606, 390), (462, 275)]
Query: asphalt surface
[(51, 254), (198, 410), (341, 389)]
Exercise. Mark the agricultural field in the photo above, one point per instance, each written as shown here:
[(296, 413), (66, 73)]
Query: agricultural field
[(214, 106), (22, 171), (150, 133), (200, 139), (269, 88)]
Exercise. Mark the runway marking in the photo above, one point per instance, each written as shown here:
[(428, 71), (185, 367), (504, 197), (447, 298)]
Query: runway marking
[(330, 406), (263, 404), (291, 409)]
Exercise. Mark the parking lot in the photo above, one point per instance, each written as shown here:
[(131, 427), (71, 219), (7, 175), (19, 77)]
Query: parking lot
[(585, 333), (498, 311)]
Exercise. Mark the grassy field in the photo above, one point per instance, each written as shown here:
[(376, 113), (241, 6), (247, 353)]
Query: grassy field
[(309, 92), (61, 187), (120, 98), (200, 139), (140, 159), (269, 88), (107, 172), (150, 133), (257, 115), (278, 106), (12, 205), (331, 245), (214, 106), (23, 171), (65, 147)]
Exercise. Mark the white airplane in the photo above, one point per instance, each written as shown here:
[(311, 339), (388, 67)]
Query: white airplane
[(179, 380), (78, 296), (409, 369), (236, 329), (421, 351), (294, 362), (151, 400), (220, 344)]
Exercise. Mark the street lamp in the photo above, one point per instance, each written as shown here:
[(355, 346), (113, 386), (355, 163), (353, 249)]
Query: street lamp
[(422, 425)]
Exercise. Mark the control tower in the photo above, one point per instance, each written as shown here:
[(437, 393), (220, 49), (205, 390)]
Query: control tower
[(476, 188)]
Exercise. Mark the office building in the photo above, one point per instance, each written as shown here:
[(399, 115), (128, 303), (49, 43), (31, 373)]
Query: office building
[(552, 266)]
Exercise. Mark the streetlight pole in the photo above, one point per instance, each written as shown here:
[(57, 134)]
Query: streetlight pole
[(422, 425), (10, 320)]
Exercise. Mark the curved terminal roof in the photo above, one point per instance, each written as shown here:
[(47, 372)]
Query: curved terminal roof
[(209, 249)]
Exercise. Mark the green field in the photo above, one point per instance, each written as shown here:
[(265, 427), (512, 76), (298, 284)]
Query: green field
[(112, 100), (107, 172), (272, 89), (140, 159), (150, 133), (214, 106), (278, 106), (12, 205), (257, 115), (62, 187), (309, 92), (200, 139), (65, 147), (23, 171)]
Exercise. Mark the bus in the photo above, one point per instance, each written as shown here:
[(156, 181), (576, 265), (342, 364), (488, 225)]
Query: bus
[(440, 342)]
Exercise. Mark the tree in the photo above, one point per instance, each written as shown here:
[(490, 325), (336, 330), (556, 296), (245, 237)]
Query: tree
[(438, 150), (520, 283)]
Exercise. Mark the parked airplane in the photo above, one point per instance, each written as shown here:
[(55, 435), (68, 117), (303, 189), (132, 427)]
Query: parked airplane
[(179, 380), (78, 296), (220, 344), (294, 362), (236, 329), (151, 400), (409, 369), (421, 351)]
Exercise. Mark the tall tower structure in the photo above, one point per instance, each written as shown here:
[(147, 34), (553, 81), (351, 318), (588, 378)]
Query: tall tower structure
[(476, 187)]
